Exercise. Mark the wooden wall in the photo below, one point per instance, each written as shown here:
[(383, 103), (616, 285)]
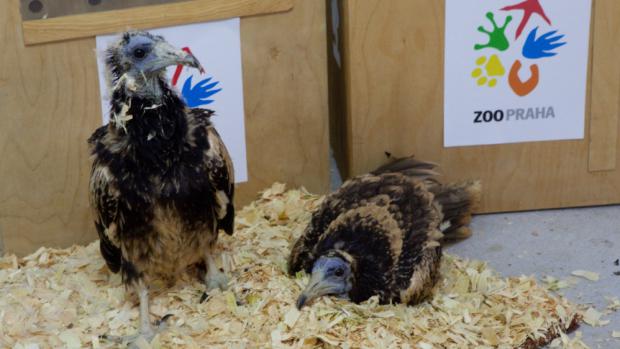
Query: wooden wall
[(394, 76), (49, 105), (285, 88)]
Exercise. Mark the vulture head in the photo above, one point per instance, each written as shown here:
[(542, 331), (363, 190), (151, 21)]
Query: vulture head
[(332, 274), (139, 59)]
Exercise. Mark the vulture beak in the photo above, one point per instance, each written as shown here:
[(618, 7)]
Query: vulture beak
[(317, 287), (190, 60), (170, 55)]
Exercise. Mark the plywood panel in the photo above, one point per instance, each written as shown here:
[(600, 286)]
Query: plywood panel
[(49, 106), (605, 86), (394, 58), (191, 11), (285, 75)]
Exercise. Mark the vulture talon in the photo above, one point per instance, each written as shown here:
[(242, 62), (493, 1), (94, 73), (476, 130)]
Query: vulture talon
[(163, 321), (204, 297)]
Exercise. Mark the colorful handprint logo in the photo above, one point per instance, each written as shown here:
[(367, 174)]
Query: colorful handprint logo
[(199, 94), (489, 67)]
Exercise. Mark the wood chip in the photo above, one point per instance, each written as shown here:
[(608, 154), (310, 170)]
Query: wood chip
[(590, 275), (592, 317), (563, 341), (291, 317), (67, 298), (554, 284), (613, 304)]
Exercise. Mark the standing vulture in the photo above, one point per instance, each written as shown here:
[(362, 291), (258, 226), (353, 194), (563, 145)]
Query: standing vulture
[(380, 234), (161, 184)]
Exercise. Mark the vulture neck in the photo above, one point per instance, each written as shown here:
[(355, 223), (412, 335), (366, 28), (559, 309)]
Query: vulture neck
[(153, 123)]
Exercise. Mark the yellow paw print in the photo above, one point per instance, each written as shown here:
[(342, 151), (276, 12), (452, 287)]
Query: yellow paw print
[(487, 70)]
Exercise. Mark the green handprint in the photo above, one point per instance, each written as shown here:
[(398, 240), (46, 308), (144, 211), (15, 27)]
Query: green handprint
[(497, 37)]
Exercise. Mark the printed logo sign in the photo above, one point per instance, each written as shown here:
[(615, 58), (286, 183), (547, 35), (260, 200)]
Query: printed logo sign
[(515, 71), (217, 45)]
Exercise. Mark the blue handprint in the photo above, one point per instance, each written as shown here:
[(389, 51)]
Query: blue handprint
[(198, 94), (539, 48)]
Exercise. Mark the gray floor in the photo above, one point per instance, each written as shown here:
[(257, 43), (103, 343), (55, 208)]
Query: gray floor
[(556, 242)]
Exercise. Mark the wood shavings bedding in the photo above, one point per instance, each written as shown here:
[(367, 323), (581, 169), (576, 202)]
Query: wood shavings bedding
[(66, 298)]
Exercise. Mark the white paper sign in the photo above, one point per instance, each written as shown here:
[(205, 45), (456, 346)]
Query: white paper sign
[(217, 45), (515, 70)]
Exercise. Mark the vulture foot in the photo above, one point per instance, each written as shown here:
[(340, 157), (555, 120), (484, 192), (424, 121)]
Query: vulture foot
[(145, 334), (216, 280)]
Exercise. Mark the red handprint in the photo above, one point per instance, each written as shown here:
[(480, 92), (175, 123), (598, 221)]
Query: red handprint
[(528, 7)]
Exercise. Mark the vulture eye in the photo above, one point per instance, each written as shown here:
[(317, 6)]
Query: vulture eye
[(339, 272), (139, 53)]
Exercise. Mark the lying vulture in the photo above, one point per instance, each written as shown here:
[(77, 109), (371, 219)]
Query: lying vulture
[(380, 234), (161, 184)]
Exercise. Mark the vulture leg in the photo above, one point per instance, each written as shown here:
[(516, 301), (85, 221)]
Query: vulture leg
[(215, 278), (147, 330)]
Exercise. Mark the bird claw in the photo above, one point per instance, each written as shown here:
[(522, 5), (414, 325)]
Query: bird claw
[(217, 280), (162, 323), (147, 335)]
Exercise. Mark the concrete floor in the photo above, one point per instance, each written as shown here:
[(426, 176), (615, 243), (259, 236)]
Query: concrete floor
[(556, 242)]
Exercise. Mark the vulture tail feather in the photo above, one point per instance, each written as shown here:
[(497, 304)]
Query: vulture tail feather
[(458, 201), (410, 167)]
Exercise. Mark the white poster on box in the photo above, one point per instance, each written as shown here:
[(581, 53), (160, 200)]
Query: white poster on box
[(515, 70), (217, 45)]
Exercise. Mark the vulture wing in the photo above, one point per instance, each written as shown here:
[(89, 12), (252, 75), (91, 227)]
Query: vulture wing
[(354, 193), (221, 173), (104, 201)]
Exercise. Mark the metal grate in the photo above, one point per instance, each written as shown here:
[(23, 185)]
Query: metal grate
[(39, 9)]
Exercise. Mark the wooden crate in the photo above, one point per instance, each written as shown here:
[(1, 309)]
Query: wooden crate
[(392, 74), (49, 106)]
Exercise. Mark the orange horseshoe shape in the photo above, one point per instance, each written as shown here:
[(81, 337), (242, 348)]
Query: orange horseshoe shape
[(523, 88)]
